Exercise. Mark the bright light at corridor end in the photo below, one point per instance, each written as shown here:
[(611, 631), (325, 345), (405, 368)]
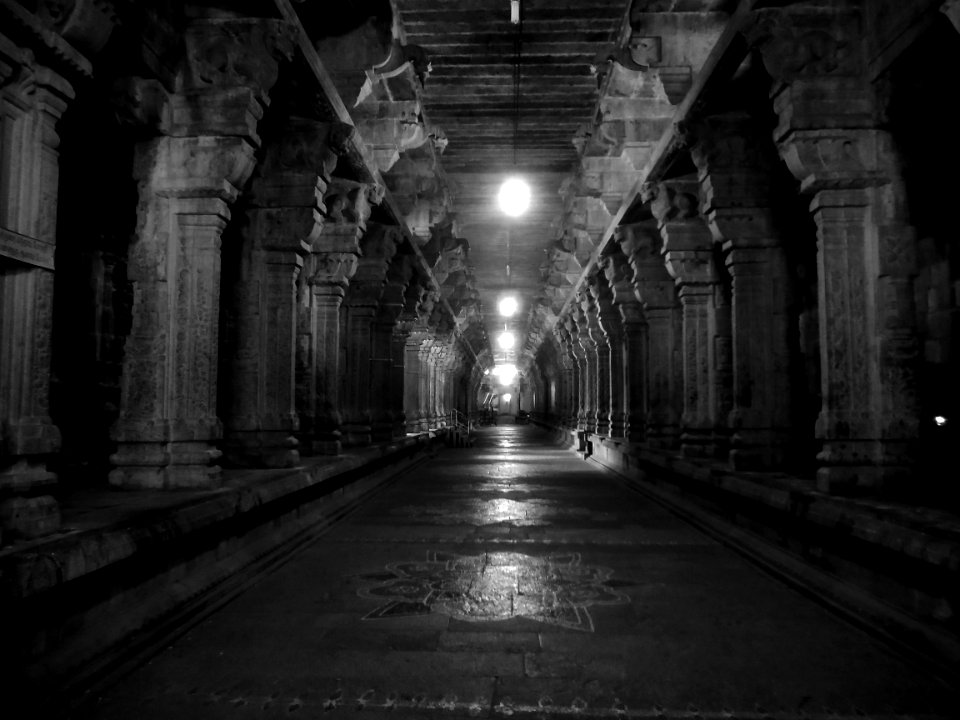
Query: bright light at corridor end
[(514, 197), (505, 373), (505, 340), (507, 306)]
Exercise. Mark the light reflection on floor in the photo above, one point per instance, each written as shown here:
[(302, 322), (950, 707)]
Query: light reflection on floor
[(556, 588)]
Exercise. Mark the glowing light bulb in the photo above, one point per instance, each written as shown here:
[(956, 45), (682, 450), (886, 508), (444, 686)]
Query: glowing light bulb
[(505, 340), (514, 197), (506, 397), (508, 306), (940, 420), (505, 373)]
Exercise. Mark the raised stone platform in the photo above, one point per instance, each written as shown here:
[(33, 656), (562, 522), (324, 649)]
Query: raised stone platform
[(128, 566)]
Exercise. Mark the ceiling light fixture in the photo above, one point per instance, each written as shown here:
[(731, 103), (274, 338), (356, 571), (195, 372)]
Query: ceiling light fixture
[(514, 196), (507, 306), (506, 340), (505, 373)]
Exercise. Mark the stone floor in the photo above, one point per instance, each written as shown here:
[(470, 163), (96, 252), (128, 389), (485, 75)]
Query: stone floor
[(512, 578)]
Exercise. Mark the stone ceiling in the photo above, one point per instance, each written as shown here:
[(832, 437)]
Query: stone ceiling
[(599, 83), (470, 95)]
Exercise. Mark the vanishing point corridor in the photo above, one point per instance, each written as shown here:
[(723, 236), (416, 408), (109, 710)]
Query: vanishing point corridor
[(514, 579)]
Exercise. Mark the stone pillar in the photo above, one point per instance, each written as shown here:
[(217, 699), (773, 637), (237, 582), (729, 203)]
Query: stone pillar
[(378, 246), (827, 136), (602, 343), (284, 223), (412, 371), (580, 359), (384, 409), (400, 386), (659, 357), (735, 172), (564, 379), (688, 251), (188, 177), (586, 320), (32, 100), (625, 376)]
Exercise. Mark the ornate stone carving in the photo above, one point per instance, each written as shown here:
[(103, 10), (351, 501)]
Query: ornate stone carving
[(168, 423)]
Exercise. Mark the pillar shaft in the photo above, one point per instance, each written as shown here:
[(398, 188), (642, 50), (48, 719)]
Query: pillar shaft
[(187, 180), (29, 111)]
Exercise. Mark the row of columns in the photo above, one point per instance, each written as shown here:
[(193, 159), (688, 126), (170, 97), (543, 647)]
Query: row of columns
[(681, 336), (333, 330)]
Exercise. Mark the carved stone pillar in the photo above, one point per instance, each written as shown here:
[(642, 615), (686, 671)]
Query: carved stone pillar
[(284, 223), (602, 341), (378, 246), (575, 389), (329, 267), (866, 254), (579, 343), (32, 100), (392, 300), (688, 251), (659, 358), (564, 377), (588, 327), (735, 175), (187, 180), (613, 292), (412, 378)]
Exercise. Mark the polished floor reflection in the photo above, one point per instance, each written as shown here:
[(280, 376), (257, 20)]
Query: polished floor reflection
[(513, 578)]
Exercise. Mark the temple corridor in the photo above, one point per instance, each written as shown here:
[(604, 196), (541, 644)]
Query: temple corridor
[(512, 578)]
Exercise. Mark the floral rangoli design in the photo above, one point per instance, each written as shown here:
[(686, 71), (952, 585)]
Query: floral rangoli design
[(556, 588)]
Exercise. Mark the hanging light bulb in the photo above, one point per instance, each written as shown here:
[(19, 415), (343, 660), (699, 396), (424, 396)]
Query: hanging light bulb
[(505, 340), (514, 197), (515, 12), (508, 306)]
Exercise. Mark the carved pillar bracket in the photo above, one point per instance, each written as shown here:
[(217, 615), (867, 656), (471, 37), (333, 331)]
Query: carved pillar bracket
[(187, 179), (828, 137)]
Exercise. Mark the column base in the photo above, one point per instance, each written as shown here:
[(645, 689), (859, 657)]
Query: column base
[(862, 467), (165, 466), (757, 449), (356, 435), (262, 449), (382, 431), (660, 437), (28, 517)]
